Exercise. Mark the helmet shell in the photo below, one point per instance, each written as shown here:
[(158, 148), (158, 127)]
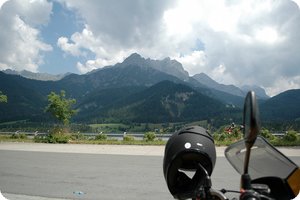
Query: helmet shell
[(184, 151)]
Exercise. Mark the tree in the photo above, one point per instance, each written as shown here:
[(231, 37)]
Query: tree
[(61, 107), (3, 98)]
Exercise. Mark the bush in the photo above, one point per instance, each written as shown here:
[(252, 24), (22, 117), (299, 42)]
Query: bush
[(230, 134), (41, 138), (236, 134), (290, 136), (56, 135), (221, 137), (266, 134), (78, 136), (18, 136), (59, 137), (149, 136), (128, 138), (101, 136)]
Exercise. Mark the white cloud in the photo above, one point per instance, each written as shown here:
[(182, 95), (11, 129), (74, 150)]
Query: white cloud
[(194, 62), (256, 42), (222, 75), (267, 35), (100, 62), (283, 84), (21, 46), (84, 43), (71, 48), (114, 30), (235, 42), (244, 42), (93, 64), (297, 2), (2, 2)]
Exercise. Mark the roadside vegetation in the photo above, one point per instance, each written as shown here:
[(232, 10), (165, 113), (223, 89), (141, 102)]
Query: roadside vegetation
[(61, 109), (224, 136), (62, 131)]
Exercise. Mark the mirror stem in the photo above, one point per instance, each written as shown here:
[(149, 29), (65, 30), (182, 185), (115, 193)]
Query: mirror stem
[(245, 179), (247, 158)]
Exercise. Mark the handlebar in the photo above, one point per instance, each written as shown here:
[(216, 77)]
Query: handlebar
[(245, 195), (250, 195)]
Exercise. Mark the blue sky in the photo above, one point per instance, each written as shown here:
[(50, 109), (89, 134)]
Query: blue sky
[(253, 42), (63, 22)]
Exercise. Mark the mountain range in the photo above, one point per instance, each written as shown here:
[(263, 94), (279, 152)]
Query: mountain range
[(138, 90), (36, 76)]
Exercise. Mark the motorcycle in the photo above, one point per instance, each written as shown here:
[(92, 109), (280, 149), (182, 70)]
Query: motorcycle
[(266, 173)]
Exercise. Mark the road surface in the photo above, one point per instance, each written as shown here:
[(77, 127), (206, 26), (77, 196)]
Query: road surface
[(86, 174)]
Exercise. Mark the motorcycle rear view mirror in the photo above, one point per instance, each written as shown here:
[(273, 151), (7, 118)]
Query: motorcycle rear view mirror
[(251, 129), (251, 119)]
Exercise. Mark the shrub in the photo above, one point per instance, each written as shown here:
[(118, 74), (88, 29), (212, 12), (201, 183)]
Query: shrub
[(41, 138), (222, 137), (149, 136), (78, 136), (266, 134), (18, 136), (56, 135), (128, 138), (236, 134), (101, 136), (228, 134), (59, 138), (290, 136)]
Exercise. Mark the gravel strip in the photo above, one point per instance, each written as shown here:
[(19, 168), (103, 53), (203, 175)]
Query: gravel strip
[(92, 149)]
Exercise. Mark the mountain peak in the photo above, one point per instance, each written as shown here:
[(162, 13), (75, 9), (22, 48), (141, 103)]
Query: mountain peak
[(260, 92), (209, 82), (205, 80), (36, 75), (167, 65), (133, 58)]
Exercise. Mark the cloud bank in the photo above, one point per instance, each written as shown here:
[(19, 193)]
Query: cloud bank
[(234, 42)]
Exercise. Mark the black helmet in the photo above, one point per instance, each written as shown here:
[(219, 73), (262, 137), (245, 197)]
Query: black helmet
[(184, 151)]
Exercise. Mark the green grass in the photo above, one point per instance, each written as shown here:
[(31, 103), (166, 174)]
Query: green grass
[(8, 138), (281, 142)]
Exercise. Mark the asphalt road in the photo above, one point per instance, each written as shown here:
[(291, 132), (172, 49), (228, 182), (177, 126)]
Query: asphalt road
[(94, 176)]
